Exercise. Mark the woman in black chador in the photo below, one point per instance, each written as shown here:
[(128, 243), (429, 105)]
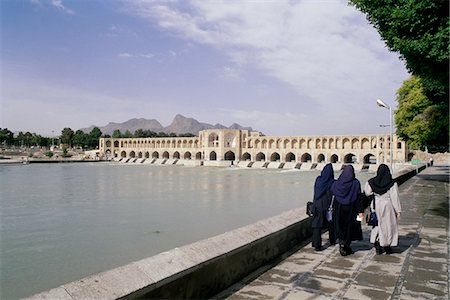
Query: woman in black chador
[(346, 190), (321, 203)]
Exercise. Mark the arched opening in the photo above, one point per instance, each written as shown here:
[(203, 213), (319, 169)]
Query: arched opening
[(260, 157), (165, 154), (176, 155), (230, 155), (132, 154), (116, 144), (350, 158), (212, 155), (321, 158), (213, 140), (334, 159), (275, 157), (370, 159), (123, 154), (410, 156), (230, 140), (187, 155), (246, 156), (108, 152), (290, 157), (198, 155), (147, 154), (108, 144), (155, 154), (140, 155), (306, 157)]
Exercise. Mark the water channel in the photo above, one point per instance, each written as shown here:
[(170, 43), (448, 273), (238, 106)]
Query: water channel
[(62, 222)]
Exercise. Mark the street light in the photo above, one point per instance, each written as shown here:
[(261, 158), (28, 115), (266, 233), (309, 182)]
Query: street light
[(380, 103)]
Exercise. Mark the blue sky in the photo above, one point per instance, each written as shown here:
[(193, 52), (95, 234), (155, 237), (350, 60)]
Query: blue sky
[(282, 67)]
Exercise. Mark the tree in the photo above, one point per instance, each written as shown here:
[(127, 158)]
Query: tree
[(6, 136), (67, 136), (93, 137), (139, 133), (419, 31), (127, 134), (419, 122), (80, 138), (117, 134)]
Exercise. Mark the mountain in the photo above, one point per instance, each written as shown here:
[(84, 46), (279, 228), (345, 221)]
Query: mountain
[(180, 124)]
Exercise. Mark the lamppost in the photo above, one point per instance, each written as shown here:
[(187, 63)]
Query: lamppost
[(380, 103)]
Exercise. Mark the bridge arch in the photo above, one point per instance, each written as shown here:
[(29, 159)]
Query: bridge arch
[(370, 159), (187, 155), (116, 144), (260, 156), (306, 157), (320, 158), (198, 155), (140, 155), (212, 155), (165, 154), (147, 154), (246, 156), (123, 154), (176, 154), (334, 159), (290, 157), (229, 155), (275, 157), (132, 154), (350, 158), (108, 144)]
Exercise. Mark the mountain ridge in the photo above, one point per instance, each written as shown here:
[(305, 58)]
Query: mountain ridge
[(179, 125)]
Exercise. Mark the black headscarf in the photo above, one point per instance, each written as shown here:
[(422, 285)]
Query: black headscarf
[(346, 188), (381, 183), (324, 181)]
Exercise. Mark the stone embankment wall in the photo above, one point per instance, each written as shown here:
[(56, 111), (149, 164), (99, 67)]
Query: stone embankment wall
[(201, 269), (438, 158)]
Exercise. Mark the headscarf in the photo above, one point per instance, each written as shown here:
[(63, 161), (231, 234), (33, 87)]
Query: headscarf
[(324, 181), (381, 183), (346, 188)]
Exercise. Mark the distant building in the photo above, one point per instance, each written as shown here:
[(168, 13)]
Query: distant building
[(244, 145)]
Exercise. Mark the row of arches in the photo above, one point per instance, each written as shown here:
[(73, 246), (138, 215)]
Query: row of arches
[(319, 143), (260, 156), (153, 143)]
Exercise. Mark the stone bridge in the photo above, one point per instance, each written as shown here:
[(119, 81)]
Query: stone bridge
[(252, 146)]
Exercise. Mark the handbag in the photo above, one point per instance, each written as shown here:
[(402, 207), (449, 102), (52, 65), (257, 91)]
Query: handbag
[(310, 208), (329, 214), (372, 219)]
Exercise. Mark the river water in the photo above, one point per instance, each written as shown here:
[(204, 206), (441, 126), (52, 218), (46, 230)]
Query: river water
[(62, 222)]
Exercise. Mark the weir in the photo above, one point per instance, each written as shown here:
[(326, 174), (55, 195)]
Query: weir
[(201, 269)]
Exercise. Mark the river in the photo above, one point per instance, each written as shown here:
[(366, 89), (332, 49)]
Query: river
[(62, 222)]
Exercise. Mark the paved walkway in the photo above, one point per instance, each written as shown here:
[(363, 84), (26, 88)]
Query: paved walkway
[(418, 268)]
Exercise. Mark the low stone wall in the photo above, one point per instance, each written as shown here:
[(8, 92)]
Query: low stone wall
[(201, 269)]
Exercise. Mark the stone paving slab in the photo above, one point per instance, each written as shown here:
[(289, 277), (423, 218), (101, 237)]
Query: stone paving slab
[(418, 268)]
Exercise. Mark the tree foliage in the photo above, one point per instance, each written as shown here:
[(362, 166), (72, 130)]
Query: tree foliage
[(419, 31), (67, 136), (420, 122)]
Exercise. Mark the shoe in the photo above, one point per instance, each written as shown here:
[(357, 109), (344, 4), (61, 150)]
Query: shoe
[(343, 250), (388, 250), (378, 248), (349, 250), (318, 249)]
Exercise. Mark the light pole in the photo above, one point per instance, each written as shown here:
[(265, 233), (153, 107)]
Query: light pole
[(380, 103)]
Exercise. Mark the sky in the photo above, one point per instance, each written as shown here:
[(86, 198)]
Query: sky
[(284, 67)]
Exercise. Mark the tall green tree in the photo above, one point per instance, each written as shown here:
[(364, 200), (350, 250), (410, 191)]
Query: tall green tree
[(93, 137), (6, 136), (419, 31), (420, 122), (117, 134), (80, 138), (67, 136)]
